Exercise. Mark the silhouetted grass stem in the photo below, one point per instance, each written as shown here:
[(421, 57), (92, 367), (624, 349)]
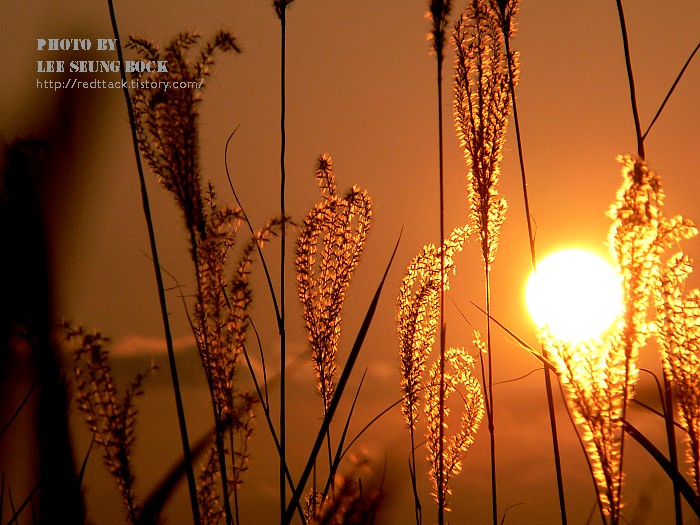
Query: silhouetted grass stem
[(505, 23), (630, 79), (189, 471), (282, 320), (440, 10)]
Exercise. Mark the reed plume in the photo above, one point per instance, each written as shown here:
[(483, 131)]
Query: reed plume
[(221, 321), (484, 75), (221, 312), (352, 503), (458, 374), (281, 7), (439, 14), (599, 376), (111, 419), (417, 316), (208, 498), (482, 107), (678, 318), (596, 378), (418, 319), (167, 120), (331, 241), (221, 315)]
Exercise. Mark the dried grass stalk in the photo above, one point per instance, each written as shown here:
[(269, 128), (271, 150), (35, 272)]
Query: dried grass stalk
[(110, 419), (167, 119), (331, 241), (167, 131)]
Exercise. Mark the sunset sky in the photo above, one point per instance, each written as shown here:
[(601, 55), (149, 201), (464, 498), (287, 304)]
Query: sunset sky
[(361, 87)]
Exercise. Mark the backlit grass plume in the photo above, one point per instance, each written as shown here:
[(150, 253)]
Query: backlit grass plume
[(281, 6), (221, 313), (483, 80), (482, 107), (459, 379), (639, 237), (599, 376), (595, 381), (167, 119), (417, 317), (111, 419), (207, 496), (220, 324), (678, 317), (439, 15), (331, 241)]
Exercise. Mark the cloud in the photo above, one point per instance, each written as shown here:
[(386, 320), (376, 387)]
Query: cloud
[(135, 344)]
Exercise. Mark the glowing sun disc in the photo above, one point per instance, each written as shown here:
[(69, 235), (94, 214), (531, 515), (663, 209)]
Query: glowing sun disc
[(575, 294)]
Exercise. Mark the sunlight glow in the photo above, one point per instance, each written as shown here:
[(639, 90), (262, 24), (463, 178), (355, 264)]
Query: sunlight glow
[(576, 295)]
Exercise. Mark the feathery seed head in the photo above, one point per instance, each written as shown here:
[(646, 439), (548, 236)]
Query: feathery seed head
[(281, 6), (482, 107), (678, 318), (600, 376), (417, 315), (439, 13), (110, 419), (330, 243), (167, 119), (458, 378)]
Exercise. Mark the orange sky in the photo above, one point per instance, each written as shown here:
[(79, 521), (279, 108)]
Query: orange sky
[(361, 88)]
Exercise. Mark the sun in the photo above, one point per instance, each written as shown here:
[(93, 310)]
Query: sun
[(575, 294)]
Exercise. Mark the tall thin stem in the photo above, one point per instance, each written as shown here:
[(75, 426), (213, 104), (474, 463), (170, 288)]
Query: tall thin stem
[(412, 468), (189, 471), (670, 91), (441, 460), (283, 212), (630, 78), (533, 260), (672, 449), (640, 152), (490, 413)]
